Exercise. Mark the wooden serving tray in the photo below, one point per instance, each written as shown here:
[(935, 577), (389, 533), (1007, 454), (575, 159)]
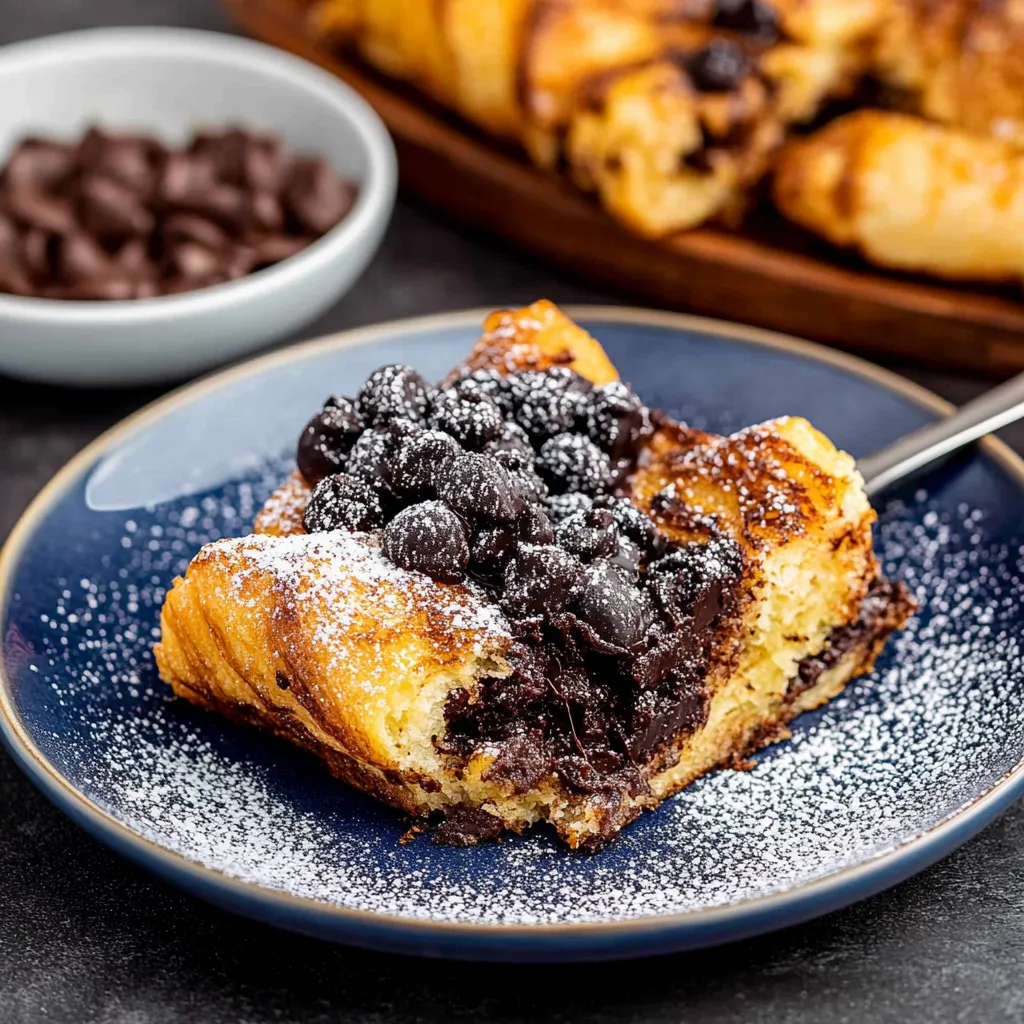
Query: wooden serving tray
[(771, 275)]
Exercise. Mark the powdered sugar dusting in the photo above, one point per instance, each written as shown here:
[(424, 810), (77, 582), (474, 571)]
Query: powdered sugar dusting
[(894, 754), (348, 574)]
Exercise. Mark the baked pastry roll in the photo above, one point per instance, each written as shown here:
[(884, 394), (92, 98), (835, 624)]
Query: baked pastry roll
[(728, 586), (669, 111), (959, 62), (910, 195)]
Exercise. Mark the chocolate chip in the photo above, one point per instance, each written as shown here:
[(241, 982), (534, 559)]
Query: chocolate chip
[(175, 285), (133, 259), (80, 258), (471, 417), (690, 581), (612, 606), (573, 463), (395, 390), (512, 439), (545, 402), (561, 506), (190, 260), (627, 557), (519, 465), (14, 280), (327, 439), (108, 209), (748, 17), (718, 67), (226, 204), (491, 383), (315, 196), (36, 251), (238, 260), (417, 463), (589, 535), (369, 456), (340, 502), (578, 774), (663, 654), (9, 243), (265, 212), (52, 214), (263, 164), (466, 826), (38, 165), (428, 538), (657, 719), (534, 526), (190, 227), (542, 579), (275, 248), (478, 488), (106, 288), (632, 522), (126, 159), (184, 177), (521, 762), (614, 419), (492, 546)]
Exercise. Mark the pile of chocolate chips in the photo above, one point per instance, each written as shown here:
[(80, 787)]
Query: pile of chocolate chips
[(515, 483), (125, 216)]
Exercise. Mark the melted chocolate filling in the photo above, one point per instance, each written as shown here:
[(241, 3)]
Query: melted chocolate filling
[(875, 619), (592, 713), (582, 715)]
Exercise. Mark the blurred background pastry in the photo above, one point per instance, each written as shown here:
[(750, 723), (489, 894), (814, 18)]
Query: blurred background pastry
[(909, 194)]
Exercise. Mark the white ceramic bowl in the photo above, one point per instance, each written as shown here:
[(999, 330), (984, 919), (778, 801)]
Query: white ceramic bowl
[(172, 82)]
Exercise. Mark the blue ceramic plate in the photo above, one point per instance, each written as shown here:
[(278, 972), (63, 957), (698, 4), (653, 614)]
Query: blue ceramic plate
[(895, 773)]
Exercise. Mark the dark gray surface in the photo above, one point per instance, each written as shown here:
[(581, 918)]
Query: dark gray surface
[(86, 937)]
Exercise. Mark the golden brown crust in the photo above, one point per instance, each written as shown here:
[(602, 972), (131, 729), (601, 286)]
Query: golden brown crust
[(322, 641), (534, 338), (909, 195), (756, 486), (960, 62), (281, 516)]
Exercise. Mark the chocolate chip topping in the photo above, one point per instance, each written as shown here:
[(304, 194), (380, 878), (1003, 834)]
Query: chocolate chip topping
[(611, 623), (327, 438), (542, 579), (718, 67), (573, 463), (478, 488), (341, 502), (393, 391), (429, 538), (471, 417), (753, 18)]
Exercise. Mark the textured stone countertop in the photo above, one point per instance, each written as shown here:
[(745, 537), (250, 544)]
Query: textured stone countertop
[(86, 937)]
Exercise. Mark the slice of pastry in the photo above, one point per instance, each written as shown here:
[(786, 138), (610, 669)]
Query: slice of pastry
[(523, 598), (909, 194)]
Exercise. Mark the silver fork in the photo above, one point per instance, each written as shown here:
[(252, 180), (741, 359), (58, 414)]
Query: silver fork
[(987, 412)]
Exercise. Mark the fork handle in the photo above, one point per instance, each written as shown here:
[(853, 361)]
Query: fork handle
[(982, 415)]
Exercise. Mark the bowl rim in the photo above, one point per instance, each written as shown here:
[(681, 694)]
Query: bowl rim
[(374, 200)]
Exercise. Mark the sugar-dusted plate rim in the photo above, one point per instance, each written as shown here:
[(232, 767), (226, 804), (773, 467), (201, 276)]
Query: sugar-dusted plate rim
[(633, 936)]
